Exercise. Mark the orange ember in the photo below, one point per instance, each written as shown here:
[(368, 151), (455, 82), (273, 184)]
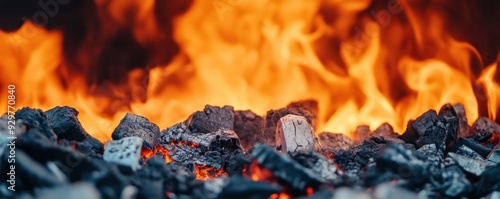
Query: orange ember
[(365, 62), (203, 172)]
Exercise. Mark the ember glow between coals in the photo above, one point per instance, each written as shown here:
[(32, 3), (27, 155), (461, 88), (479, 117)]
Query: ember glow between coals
[(261, 55)]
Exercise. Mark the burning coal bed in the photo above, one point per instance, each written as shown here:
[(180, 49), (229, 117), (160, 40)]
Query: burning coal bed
[(222, 153)]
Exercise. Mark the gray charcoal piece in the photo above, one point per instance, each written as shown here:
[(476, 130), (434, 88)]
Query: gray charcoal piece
[(294, 134), (126, 151), (137, 126), (473, 166), (466, 151), (494, 155)]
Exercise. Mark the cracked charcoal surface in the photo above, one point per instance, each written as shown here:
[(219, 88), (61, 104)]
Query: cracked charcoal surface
[(137, 126), (248, 126), (211, 119), (36, 118), (64, 122)]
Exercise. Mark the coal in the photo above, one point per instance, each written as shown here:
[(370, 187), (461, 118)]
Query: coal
[(137, 126), (126, 151), (285, 168), (211, 119), (335, 140), (238, 187), (317, 163), (472, 144), (430, 128), (248, 126), (385, 130), (470, 165), (489, 181), (451, 182), (362, 133), (464, 128), (432, 156), (64, 122), (466, 151), (494, 155), (483, 129), (211, 149), (307, 109), (295, 134), (36, 118)]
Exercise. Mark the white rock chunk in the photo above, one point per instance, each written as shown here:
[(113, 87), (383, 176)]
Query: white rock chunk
[(294, 134)]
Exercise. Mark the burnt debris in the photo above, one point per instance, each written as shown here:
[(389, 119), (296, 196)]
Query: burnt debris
[(223, 153)]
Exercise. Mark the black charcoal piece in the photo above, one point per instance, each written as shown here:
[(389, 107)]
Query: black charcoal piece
[(466, 151), (33, 173), (470, 165), (211, 119), (431, 129), (64, 122), (452, 182), (126, 151), (317, 163), (432, 156), (211, 149), (385, 130), (362, 133), (36, 118), (489, 181), (463, 130), (90, 144), (238, 187), (472, 144), (79, 190), (404, 163), (110, 182), (484, 129), (248, 126), (236, 165), (335, 140), (363, 152), (285, 168), (137, 126)]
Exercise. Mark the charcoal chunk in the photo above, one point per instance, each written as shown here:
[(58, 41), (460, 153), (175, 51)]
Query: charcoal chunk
[(317, 163), (335, 140), (463, 130), (237, 187), (385, 130), (137, 126), (363, 152), (307, 109), (248, 126), (470, 143), (36, 118), (489, 181), (494, 155), (431, 129), (65, 124), (362, 133), (126, 151), (484, 129), (211, 119), (285, 168), (295, 134), (90, 144), (432, 156), (452, 182), (470, 165)]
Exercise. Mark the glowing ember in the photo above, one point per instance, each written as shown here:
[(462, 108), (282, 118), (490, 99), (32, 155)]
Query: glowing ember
[(203, 173)]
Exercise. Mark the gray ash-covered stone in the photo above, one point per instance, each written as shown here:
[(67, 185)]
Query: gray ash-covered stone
[(295, 134), (126, 151), (64, 122), (470, 165), (211, 119), (137, 126), (451, 182), (494, 155)]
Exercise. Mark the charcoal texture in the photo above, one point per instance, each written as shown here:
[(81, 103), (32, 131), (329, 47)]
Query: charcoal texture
[(137, 126), (248, 126), (36, 118), (335, 140), (64, 122), (211, 119)]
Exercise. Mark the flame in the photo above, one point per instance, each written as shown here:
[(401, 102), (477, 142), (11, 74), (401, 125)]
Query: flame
[(203, 172), (258, 55)]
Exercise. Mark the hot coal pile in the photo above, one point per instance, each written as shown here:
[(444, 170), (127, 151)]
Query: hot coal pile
[(222, 153)]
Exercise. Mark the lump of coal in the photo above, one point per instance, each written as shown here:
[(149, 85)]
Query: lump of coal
[(451, 181), (363, 152), (317, 163), (211, 119), (36, 118), (285, 168), (473, 145), (489, 181), (433, 157), (430, 128), (463, 130), (466, 151), (235, 187), (335, 140), (137, 126), (362, 133), (404, 163), (385, 130), (248, 126), (307, 109), (473, 166), (211, 149), (126, 151), (483, 129), (295, 134), (65, 124)]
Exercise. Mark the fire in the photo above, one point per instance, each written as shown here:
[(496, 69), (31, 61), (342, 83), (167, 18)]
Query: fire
[(366, 64), (203, 172)]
